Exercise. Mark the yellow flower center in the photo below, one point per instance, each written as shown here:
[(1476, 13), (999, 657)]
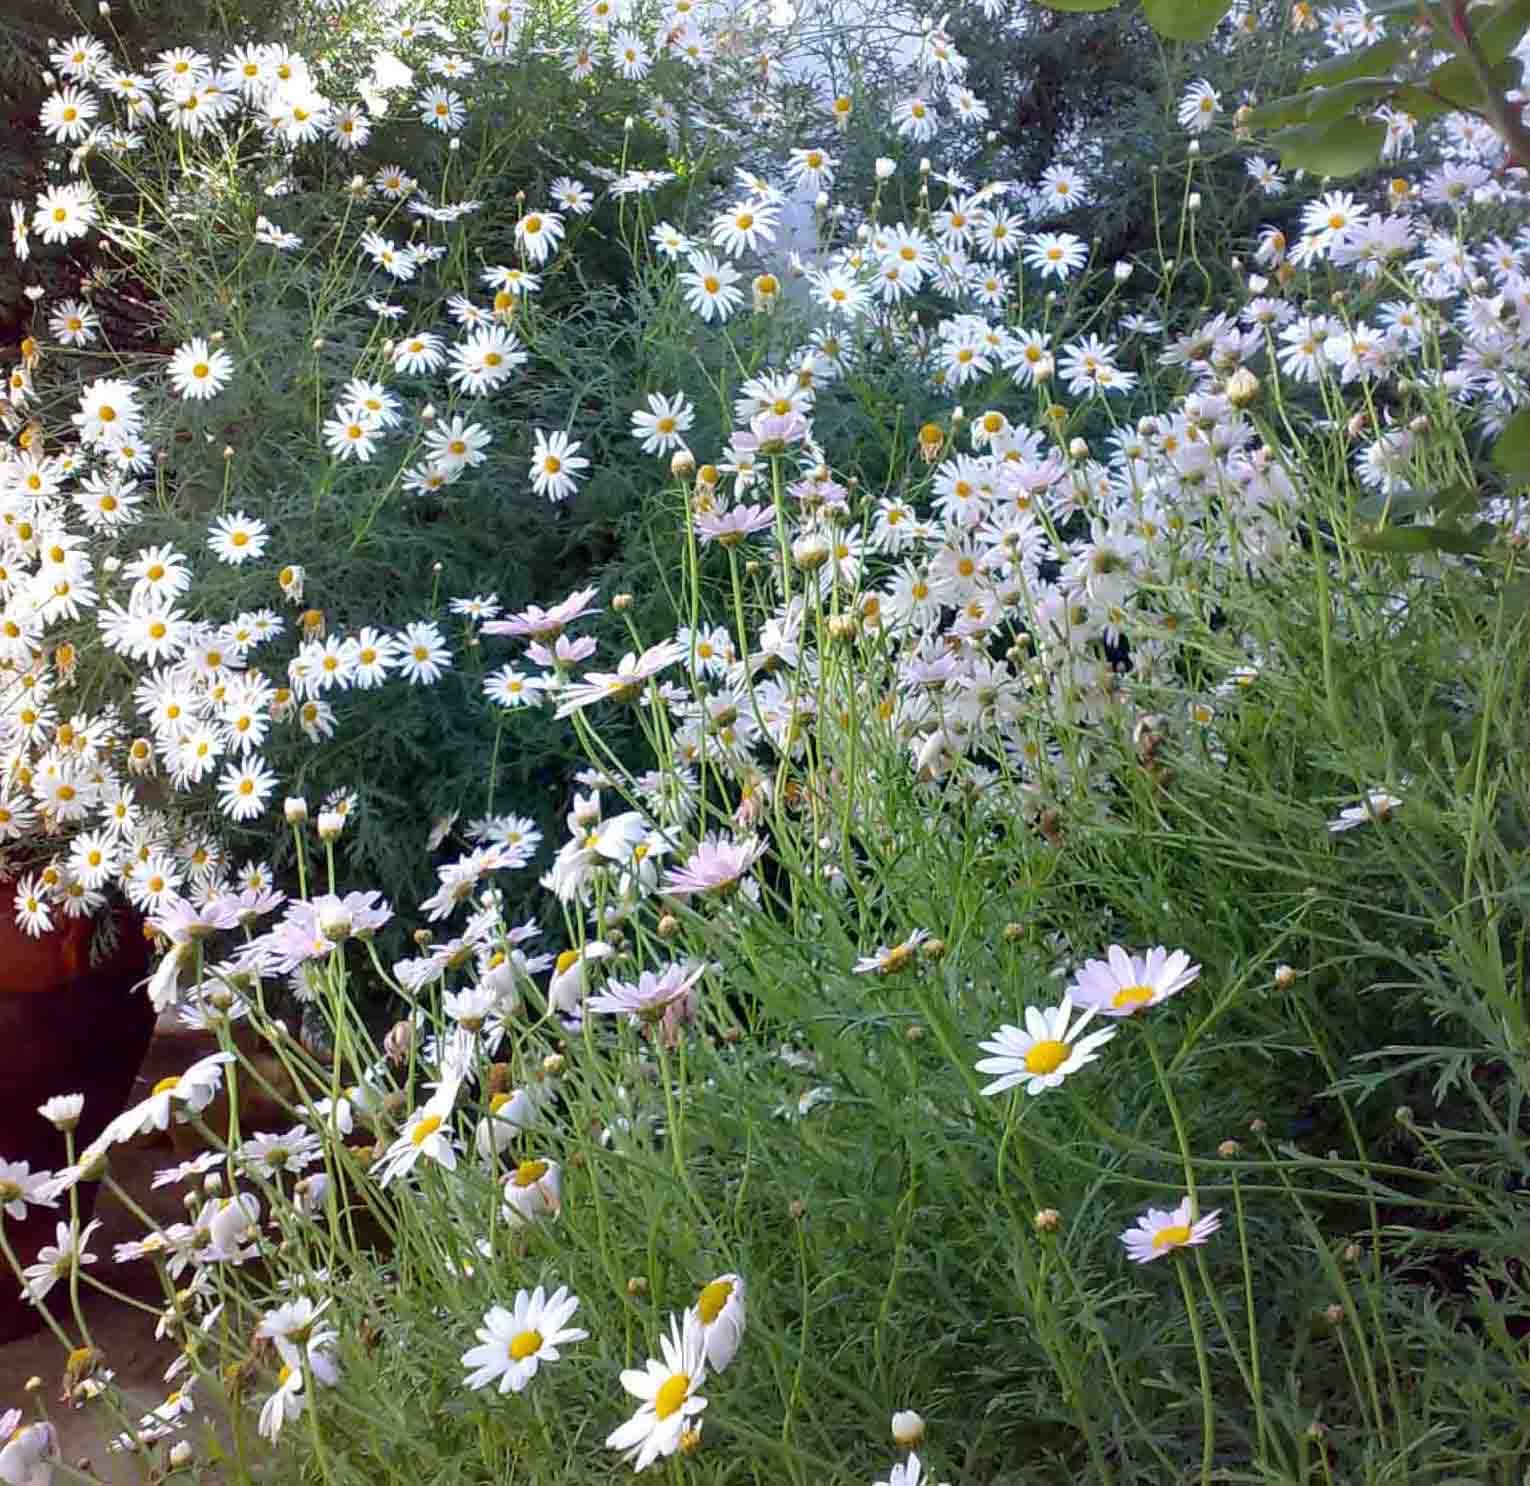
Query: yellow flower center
[(1172, 1237), (710, 1302), (167, 1085), (529, 1173), (1046, 1056), (1132, 996), (525, 1344), (671, 1395), (425, 1129)]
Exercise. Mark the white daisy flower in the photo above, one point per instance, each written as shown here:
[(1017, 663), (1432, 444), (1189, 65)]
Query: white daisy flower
[(668, 1388), (1045, 1053), (514, 1343)]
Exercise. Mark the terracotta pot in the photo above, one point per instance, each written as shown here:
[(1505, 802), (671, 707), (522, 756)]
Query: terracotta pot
[(66, 1027)]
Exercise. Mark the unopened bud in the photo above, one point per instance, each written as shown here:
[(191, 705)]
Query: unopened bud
[(1285, 977), (1242, 387), (398, 1041), (1048, 1220), (907, 1429), (682, 464)]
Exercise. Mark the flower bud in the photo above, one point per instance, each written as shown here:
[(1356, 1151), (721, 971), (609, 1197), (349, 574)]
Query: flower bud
[(1048, 1220), (1242, 387), (907, 1429), (811, 551), (682, 464), (885, 168), (1285, 977), (335, 922), (331, 823), (296, 810)]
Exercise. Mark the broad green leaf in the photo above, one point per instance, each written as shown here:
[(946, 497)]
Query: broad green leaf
[(1378, 507), (1341, 148), (1325, 105), (1456, 81), (1420, 104), (1185, 20), (1416, 539), (1452, 503), (1512, 451), (1368, 61), (1278, 113), (1498, 37)]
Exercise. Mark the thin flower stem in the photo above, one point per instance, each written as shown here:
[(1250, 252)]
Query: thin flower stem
[(1203, 1364)]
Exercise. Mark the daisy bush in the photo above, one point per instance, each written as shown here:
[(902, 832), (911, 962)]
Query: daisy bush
[(1028, 982)]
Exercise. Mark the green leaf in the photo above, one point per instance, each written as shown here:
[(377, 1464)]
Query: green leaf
[(1378, 507), (1185, 20), (1420, 104), (1456, 81), (1325, 105), (1512, 451), (1279, 112), (1498, 37), (1369, 61), (1452, 503), (1341, 148), (1416, 539)]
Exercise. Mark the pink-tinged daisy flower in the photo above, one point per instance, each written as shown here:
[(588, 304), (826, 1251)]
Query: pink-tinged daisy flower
[(1042, 1055), (653, 998), (1159, 1230), (537, 623), (715, 867), (28, 1451), (625, 684), (1122, 984)]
